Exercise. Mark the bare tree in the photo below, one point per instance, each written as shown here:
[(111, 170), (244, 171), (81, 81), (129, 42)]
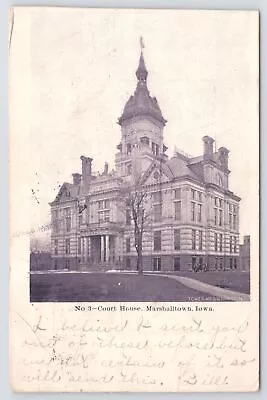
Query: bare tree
[(138, 205)]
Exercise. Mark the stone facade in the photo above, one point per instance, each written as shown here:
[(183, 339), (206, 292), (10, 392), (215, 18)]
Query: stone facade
[(244, 251), (194, 221)]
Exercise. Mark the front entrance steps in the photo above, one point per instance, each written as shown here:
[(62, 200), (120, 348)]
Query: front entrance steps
[(99, 267)]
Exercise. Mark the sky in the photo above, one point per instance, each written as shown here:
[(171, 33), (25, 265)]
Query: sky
[(203, 70)]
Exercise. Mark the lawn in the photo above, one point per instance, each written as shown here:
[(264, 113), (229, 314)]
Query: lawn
[(238, 281), (74, 287)]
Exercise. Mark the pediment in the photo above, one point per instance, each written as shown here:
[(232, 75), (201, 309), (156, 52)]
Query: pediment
[(64, 194), (157, 173)]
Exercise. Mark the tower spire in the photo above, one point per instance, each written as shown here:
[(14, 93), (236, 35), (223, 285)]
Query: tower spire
[(141, 104), (141, 72)]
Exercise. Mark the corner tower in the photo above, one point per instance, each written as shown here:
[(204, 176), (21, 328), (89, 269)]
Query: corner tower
[(141, 124)]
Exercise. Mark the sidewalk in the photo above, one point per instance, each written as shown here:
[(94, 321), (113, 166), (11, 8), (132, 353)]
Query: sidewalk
[(224, 294)]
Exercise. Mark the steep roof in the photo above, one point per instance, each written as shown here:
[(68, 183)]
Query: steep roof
[(180, 168), (67, 192)]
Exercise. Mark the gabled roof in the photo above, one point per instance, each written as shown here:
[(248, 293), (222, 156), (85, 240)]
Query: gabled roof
[(180, 168), (67, 192)]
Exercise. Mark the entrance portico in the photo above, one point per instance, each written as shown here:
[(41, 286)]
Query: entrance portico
[(98, 249)]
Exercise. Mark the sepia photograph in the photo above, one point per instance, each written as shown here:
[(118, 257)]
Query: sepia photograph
[(153, 222)]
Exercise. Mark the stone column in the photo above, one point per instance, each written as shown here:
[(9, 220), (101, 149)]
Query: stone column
[(102, 248), (85, 249), (88, 248), (107, 248), (82, 249)]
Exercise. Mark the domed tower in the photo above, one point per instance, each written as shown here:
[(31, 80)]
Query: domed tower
[(141, 124)]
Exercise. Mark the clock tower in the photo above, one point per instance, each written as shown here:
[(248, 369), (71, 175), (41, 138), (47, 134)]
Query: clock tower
[(142, 126)]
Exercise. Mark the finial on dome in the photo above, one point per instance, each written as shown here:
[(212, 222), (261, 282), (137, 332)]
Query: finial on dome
[(142, 43), (141, 72)]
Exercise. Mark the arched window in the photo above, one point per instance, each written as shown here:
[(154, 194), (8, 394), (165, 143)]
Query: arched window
[(219, 180)]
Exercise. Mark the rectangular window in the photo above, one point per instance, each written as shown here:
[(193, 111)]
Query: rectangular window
[(215, 216), (80, 219), (177, 264), (157, 208), (194, 239), (235, 244), (231, 244), (155, 148), (55, 221), (220, 217), (199, 212), (235, 263), (128, 148), (231, 263), (193, 210), (103, 204), (79, 246), (67, 246), (157, 197), (221, 242), (177, 239), (157, 264), (215, 242), (177, 193), (106, 216), (68, 219), (103, 216), (68, 223), (200, 263), (157, 240), (194, 263), (200, 240), (56, 247), (128, 245), (177, 210), (193, 193), (128, 217), (234, 222), (129, 169), (220, 203)]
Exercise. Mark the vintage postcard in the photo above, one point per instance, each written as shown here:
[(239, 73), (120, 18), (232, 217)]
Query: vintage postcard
[(134, 200)]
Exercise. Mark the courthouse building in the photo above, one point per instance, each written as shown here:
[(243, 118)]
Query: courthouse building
[(194, 220)]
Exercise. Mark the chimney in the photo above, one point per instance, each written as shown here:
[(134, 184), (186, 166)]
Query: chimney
[(76, 178), (208, 147), (86, 169), (105, 168), (223, 156)]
